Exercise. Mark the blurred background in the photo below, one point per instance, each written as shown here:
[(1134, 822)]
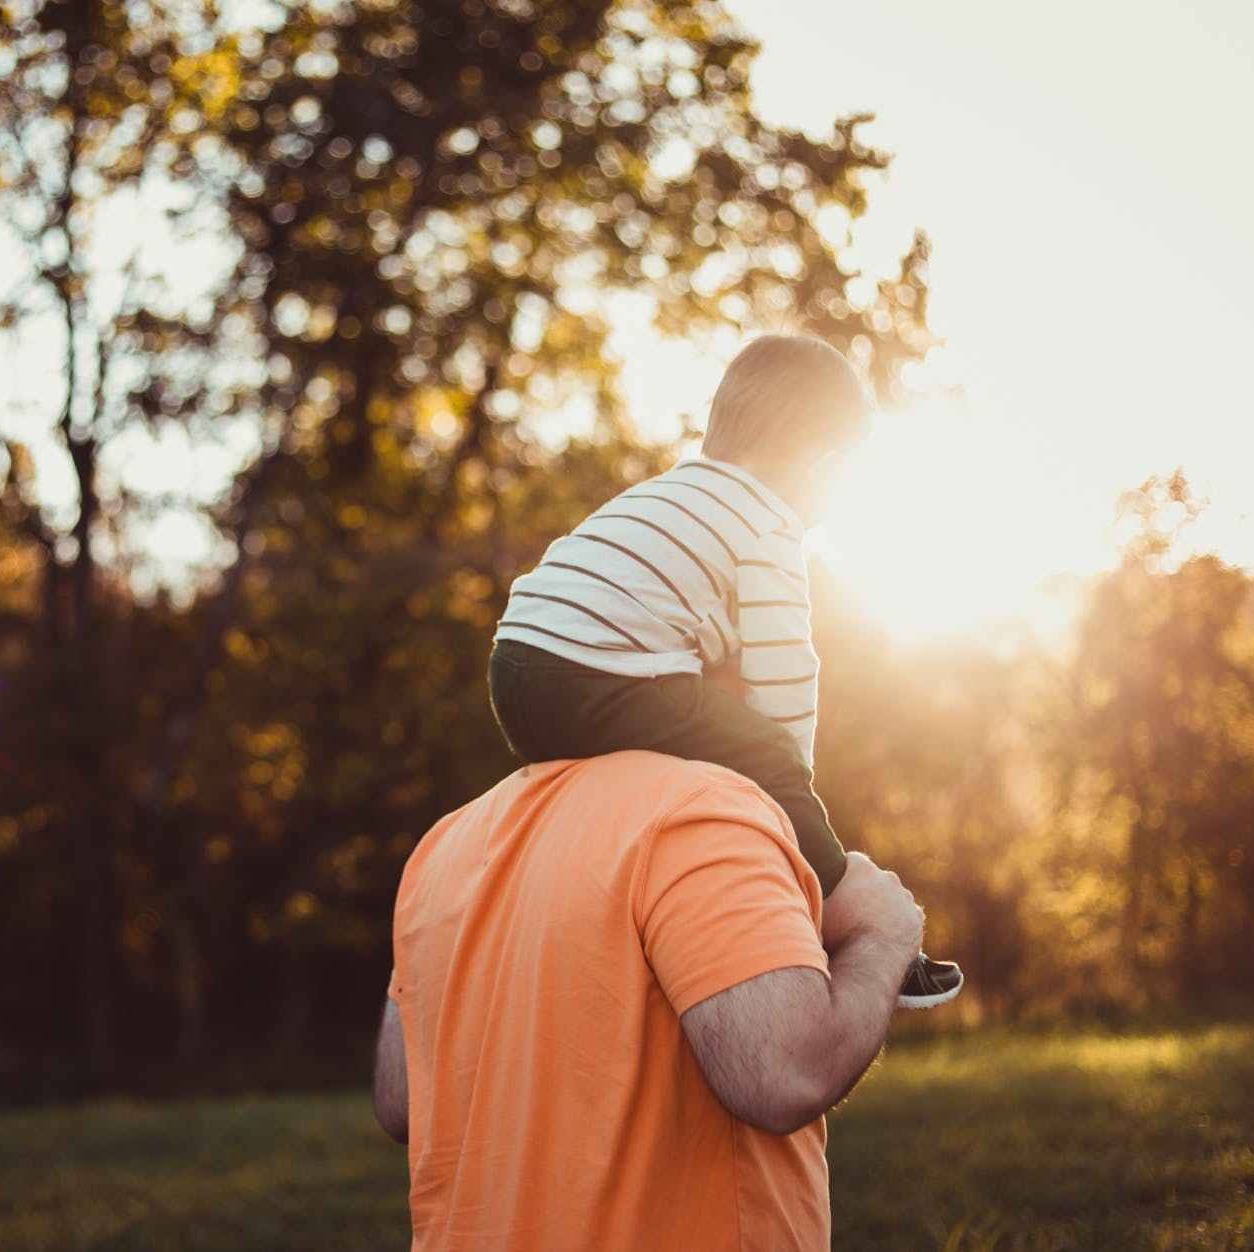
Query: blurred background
[(320, 318)]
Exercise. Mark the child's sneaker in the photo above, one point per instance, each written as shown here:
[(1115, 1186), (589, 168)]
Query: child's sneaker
[(929, 983)]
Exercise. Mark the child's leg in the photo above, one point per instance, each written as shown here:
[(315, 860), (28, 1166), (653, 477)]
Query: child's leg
[(550, 708), (509, 698), (724, 730)]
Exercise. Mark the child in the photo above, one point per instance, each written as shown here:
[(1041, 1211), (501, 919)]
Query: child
[(603, 646)]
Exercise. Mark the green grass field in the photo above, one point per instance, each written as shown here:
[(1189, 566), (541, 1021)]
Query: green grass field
[(996, 1141)]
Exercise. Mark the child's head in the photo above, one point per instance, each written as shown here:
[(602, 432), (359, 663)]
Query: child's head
[(785, 402)]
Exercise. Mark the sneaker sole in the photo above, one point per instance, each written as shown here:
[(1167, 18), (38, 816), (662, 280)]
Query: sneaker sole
[(930, 1002)]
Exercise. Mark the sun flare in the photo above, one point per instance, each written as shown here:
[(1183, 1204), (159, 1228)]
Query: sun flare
[(934, 530)]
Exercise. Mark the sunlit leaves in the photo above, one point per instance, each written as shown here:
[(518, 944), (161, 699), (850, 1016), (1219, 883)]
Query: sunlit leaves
[(212, 80), (430, 207)]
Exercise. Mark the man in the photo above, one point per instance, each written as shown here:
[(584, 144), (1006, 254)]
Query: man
[(631, 1048)]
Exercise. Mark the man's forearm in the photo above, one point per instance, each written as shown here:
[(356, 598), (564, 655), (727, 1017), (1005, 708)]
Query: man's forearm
[(866, 972), (391, 1086)]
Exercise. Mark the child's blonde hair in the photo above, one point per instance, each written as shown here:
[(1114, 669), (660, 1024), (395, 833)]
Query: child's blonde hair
[(784, 396)]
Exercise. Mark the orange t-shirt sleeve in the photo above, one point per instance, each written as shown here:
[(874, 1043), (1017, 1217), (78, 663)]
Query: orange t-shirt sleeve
[(725, 896)]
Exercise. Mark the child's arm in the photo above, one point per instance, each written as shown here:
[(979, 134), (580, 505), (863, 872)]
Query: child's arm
[(778, 664)]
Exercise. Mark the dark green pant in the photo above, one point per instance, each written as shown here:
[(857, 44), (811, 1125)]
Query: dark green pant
[(551, 709)]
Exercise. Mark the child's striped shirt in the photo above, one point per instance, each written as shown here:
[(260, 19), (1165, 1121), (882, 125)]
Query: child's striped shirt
[(678, 573)]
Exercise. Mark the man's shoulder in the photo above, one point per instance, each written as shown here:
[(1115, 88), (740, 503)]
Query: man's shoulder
[(628, 794), (655, 791), (635, 791), (664, 779)]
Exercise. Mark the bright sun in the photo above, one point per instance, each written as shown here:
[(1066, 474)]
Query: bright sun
[(934, 528)]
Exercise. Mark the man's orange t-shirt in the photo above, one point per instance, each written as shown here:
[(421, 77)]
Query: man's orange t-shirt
[(548, 936)]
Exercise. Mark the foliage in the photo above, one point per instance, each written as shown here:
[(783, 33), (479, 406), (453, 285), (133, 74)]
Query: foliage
[(414, 221), (415, 216)]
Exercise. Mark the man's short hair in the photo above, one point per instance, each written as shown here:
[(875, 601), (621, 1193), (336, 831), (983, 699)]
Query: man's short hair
[(784, 396)]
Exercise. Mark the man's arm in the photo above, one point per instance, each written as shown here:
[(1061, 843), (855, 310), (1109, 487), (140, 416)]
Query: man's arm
[(391, 1084), (780, 1049)]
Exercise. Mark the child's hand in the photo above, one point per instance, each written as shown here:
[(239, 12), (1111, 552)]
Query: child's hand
[(727, 676)]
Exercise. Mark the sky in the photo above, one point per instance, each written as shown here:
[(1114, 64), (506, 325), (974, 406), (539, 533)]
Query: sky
[(1083, 172)]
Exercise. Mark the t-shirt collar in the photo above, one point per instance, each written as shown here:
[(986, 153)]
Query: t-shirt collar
[(756, 484)]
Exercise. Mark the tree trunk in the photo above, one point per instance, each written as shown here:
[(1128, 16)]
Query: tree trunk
[(1189, 965), (95, 837), (290, 1036), (189, 990)]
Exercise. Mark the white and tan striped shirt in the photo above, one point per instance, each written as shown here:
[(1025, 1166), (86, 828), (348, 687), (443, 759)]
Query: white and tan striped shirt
[(678, 573)]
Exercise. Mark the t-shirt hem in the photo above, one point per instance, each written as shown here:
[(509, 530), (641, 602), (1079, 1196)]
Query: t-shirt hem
[(625, 664)]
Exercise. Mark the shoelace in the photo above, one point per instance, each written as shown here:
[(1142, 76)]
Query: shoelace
[(925, 980)]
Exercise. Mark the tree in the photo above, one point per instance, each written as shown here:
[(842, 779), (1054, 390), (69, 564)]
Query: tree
[(419, 214), (928, 762), (1161, 737), (92, 129)]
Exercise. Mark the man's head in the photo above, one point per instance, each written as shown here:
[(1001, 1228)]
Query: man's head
[(785, 403)]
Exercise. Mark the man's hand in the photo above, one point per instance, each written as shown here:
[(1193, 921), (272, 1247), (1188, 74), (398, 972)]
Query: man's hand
[(872, 901)]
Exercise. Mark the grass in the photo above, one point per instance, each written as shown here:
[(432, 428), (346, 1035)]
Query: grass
[(1081, 1141), (997, 1141)]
